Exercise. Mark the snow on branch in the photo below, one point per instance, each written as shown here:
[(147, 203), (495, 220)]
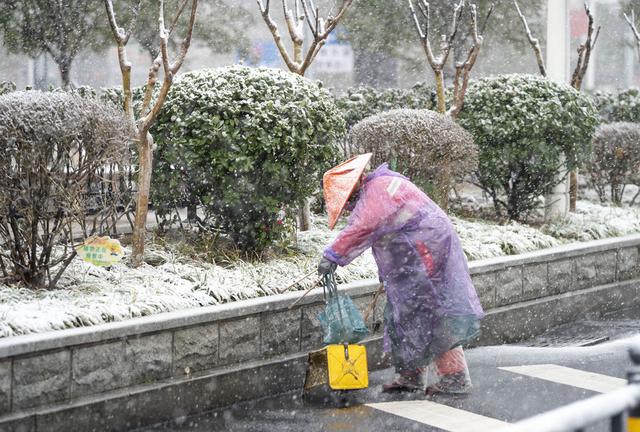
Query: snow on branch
[(437, 63), (463, 69), (632, 24), (584, 52), (304, 11), (534, 42)]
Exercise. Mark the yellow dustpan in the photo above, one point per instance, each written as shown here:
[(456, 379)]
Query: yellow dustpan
[(343, 365), (347, 367)]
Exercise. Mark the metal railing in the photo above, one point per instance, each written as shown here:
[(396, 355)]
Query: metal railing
[(620, 407)]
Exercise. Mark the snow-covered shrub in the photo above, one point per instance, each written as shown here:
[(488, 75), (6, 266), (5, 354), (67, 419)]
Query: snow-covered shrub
[(7, 87), (523, 125), (114, 95), (246, 144), (615, 159), (428, 147), (623, 106), (361, 102), (60, 156)]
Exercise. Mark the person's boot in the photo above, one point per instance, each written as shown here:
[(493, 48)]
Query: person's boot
[(449, 374), (455, 383), (406, 381)]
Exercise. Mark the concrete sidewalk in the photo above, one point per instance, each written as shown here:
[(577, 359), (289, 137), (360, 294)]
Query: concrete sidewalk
[(501, 395)]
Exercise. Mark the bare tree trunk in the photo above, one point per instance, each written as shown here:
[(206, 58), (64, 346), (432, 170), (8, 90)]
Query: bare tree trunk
[(65, 73), (573, 190), (145, 161), (304, 214), (584, 55), (439, 76), (150, 108)]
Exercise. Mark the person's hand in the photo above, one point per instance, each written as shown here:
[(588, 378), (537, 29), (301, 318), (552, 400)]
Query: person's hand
[(326, 267)]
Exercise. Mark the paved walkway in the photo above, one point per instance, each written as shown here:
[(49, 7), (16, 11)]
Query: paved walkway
[(511, 383)]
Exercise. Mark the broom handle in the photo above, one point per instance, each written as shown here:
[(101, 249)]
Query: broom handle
[(303, 296), (298, 281), (372, 305)]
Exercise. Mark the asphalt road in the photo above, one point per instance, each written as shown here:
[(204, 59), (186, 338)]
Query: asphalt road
[(544, 373)]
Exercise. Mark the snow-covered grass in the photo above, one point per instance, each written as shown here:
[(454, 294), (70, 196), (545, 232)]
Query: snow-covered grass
[(592, 221), (90, 295)]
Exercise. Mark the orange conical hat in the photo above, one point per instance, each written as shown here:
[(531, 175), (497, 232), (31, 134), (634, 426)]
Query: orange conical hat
[(339, 182)]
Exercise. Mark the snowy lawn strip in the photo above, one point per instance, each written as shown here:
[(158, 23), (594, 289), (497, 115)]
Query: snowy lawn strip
[(89, 295)]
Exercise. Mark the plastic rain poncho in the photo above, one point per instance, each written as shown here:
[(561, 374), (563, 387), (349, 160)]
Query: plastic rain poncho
[(432, 305)]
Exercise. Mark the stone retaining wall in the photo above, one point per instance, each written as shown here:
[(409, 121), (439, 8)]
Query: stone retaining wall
[(38, 372)]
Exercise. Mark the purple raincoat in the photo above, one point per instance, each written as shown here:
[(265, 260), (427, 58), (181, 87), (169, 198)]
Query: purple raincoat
[(432, 305)]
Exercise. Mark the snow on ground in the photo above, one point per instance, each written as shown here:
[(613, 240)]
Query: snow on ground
[(89, 295), (592, 221)]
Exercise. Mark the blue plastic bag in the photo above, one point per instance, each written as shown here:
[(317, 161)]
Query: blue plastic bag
[(341, 320)]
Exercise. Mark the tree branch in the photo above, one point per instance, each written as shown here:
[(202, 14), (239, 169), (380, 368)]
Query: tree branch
[(308, 11), (170, 69), (584, 52), (152, 78), (535, 43), (295, 30), (186, 42), (463, 70), (632, 24), (125, 65), (273, 28), (424, 36), (447, 42)]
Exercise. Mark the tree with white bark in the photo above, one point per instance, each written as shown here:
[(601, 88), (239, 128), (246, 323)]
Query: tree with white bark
[(577, 77), (151, 103), (298, 61), (437, 62)]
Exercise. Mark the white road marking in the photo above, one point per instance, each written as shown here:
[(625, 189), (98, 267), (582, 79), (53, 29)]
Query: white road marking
[(456, 420), (440, 416), (569, 376)]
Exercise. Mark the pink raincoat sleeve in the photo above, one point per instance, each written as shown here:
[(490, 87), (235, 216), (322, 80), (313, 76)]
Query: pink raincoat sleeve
[(373, 210)]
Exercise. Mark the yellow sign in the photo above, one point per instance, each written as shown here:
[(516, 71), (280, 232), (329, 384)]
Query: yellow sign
[(101, 251)]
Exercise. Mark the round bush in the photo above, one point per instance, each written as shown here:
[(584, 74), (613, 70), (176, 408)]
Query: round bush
[(428, 147), (623, 106), (7, 87), (523, 126), (245, 144), (61, 156), (615, 160), (361, 102)]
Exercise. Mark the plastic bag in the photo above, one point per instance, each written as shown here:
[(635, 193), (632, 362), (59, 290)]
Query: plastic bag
[(341, 320), (448, 373)]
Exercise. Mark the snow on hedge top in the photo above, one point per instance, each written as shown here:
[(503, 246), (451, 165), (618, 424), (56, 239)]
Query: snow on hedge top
[(90, 295)]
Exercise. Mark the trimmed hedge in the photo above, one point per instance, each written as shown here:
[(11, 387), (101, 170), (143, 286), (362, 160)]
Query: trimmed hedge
[(361, 102), (523, 126), (62, 156), (247, 144), (615, 161), (7, 87), (623, 106), (427, 146)]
